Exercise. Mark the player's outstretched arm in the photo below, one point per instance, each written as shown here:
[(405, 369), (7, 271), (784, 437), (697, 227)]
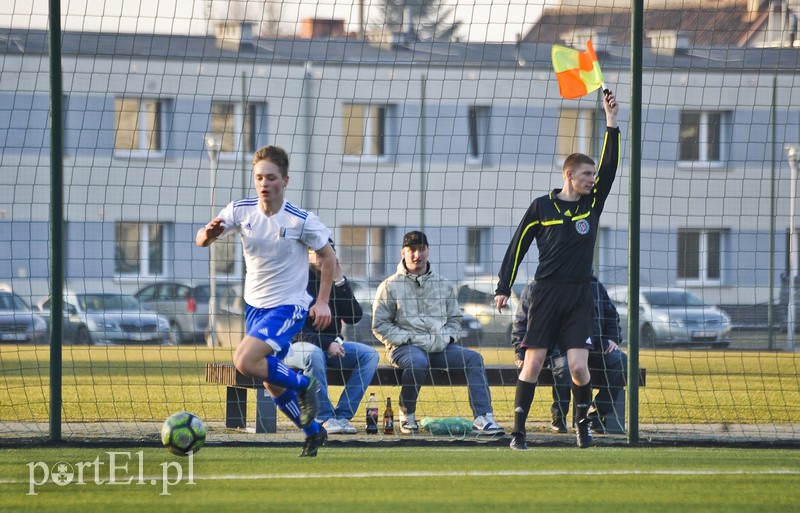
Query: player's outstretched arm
[(209, 233)]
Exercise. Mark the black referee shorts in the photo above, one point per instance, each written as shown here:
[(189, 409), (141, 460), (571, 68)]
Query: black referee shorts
[(560, 314)]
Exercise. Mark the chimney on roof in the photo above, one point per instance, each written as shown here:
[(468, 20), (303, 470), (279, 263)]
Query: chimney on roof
[(669, 42), (317, 28), (234, 35), (752, 9), (576, 38)]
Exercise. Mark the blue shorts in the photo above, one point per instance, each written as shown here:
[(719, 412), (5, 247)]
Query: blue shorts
[(275, 326)]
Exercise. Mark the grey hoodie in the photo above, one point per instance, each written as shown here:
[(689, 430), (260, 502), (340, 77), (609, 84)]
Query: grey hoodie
[(417, 310)]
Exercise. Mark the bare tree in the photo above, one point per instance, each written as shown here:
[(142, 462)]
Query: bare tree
[(420, 20)]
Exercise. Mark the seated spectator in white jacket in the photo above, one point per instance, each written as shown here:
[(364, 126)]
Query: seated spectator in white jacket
[(417, 317)]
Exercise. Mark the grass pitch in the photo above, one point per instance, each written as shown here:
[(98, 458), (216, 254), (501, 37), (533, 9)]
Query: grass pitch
[(139, 383), (430, 479)]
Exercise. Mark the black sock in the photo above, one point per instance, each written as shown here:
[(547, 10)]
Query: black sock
[(582, 395), (522, 403)]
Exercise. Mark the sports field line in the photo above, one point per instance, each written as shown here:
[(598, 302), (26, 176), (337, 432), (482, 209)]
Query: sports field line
[(476, 473), (502, 473)]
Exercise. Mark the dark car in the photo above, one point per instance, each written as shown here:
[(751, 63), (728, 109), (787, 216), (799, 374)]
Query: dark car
[(18, 323), (184, 305)]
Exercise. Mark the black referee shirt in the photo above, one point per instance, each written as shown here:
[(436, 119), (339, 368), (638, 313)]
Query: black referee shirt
[(565, 231)]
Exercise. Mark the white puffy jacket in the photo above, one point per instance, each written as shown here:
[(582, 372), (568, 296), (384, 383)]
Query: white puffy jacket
[(418, 310)]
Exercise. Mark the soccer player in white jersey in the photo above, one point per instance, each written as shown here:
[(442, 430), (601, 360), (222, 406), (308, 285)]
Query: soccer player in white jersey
[(276, 236)]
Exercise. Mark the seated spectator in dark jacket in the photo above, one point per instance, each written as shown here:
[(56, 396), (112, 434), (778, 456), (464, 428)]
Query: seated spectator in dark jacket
[(314, 351), (606, 357)]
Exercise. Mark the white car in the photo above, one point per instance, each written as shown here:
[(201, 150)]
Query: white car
[(476, 298), (674, 316), (18, 323), (103, 318)]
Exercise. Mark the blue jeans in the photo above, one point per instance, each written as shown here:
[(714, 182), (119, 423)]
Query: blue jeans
[(416, 364), (614, 367), (359, 358)]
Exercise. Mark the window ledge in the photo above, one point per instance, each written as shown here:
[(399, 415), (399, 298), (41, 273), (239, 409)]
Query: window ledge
[(475, 270), (140, 155), (698, 282), (148, 279), (688, 165), (235, 155), (367, 159)]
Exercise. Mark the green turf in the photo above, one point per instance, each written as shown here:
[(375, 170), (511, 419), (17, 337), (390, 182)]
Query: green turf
[(428, 480), (137, 383)]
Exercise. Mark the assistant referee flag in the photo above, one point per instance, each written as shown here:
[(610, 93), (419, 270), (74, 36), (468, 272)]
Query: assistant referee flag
[(578, 73)]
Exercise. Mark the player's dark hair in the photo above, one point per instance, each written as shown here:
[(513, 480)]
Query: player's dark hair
[(274, 154)]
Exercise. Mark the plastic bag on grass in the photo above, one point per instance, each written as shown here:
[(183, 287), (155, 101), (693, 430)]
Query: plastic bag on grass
[(453, 426)]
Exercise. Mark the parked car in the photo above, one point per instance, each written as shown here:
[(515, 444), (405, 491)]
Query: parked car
[(230, 316), (674, 316), (184, 305), (19, 323), (471, 328), (103, 318), (476, 297)]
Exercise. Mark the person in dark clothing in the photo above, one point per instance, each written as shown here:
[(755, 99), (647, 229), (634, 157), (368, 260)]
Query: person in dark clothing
[(564, 224), (605, 357), (315, 350)]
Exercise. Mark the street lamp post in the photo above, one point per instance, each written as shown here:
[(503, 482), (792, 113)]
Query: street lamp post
[(793, 153), (213, 143)]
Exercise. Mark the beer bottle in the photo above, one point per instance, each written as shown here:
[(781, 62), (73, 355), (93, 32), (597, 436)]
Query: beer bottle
[(372, 415), (388, 418)]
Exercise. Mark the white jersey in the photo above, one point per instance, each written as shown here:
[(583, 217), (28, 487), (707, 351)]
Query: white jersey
[(275, 250)]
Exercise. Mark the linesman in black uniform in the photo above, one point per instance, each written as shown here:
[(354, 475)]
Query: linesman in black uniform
[(564, 224)]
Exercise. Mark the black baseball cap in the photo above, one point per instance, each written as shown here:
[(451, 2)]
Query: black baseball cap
[(415, 238)]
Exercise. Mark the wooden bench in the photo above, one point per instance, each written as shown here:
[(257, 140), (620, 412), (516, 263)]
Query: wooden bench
[(237, 385)]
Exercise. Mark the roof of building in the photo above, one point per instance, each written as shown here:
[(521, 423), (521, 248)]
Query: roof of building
[(615, 55), (718, 25)]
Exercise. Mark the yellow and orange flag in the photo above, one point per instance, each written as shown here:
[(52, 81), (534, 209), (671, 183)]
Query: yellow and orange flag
[(578, 73)]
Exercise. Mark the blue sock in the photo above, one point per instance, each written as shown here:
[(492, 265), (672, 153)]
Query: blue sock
[(311, 429), (287, 403), (279, 374)]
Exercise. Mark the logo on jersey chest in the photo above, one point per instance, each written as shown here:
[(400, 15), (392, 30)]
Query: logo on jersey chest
[(582, 226)]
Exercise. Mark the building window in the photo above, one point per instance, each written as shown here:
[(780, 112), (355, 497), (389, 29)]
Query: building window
[(700, 255), (362, 251), (367, 130), (703, 136), (238, 127), (477, 247), (142, 249), (478, 126), (139, 124), (576, 128)]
